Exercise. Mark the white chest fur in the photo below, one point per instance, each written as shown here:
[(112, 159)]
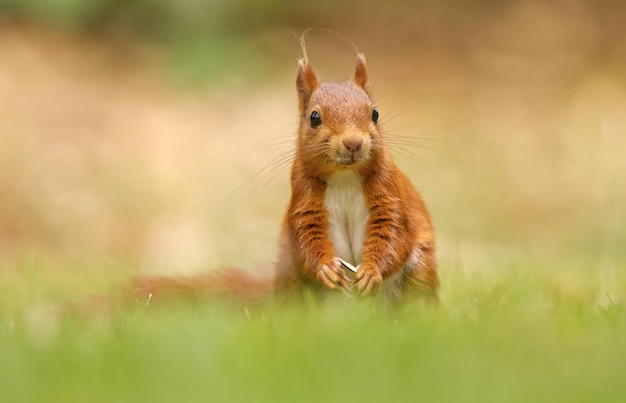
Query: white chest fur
[(348, 215)]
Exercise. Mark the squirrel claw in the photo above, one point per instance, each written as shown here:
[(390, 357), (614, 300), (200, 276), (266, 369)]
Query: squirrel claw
[(333, 277), (367, 281)]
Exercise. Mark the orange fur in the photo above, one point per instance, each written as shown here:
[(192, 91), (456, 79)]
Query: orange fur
[(398, 248), (399, 238)]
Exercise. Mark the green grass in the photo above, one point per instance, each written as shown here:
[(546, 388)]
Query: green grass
[(532, 303), (503, 333)]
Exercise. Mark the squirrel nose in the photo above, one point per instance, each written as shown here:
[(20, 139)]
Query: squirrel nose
[(353, 144)]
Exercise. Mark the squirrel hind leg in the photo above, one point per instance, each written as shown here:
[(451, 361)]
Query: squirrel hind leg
[(417, 279)]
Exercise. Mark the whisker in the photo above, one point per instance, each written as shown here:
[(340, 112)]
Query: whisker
[(424, 147), (414, 157), (408, 137), (291, 130), (281, 161), (314, 149), (391, 116), (410, 133), (373, 83), (289, 141), (274, 172)]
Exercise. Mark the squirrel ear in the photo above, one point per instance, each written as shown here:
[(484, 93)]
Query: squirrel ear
[(360, 74), (306, 83)]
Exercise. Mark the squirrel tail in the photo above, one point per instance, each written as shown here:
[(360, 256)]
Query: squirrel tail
[(225, 285)]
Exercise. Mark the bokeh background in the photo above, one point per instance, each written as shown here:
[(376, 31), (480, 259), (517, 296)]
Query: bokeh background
[(156, 134)]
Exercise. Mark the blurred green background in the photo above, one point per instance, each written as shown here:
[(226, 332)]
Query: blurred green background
[(134, 129), (153, 136)]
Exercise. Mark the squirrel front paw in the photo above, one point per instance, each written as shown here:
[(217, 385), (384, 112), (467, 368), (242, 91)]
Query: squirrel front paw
[(332, 276), (367, 280)]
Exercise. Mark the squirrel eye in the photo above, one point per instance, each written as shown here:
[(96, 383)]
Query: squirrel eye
[(374, 115), (315, 119)]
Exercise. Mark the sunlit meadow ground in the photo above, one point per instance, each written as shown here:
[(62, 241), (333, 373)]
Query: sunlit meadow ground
[(110, 169)]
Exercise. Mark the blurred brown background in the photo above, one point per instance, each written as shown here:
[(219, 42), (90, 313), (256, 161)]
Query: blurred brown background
[(134, 130)]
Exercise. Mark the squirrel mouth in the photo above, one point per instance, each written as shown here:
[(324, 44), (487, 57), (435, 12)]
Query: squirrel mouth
[(346, 162), (346, 159)]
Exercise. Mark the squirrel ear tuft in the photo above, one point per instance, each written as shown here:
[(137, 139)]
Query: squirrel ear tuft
[(360, 74), (306, 83)]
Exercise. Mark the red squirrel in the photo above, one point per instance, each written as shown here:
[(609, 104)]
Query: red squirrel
[(348, 201)]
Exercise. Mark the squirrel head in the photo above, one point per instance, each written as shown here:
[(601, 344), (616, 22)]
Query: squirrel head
[(338, 120)]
